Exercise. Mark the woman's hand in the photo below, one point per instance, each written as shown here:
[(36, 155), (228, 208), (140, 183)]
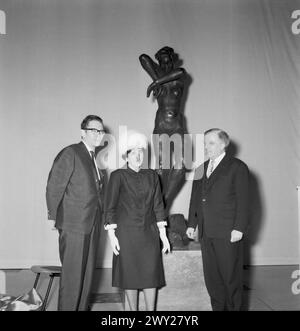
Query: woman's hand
[(164, 239), (114, 242), (166, 245)]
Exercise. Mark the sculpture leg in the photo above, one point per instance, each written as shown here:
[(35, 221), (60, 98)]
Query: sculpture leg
[(175, 180), (176, 174), (170, 169)]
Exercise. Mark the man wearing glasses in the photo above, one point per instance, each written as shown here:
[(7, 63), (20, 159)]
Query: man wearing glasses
[(74, 197)]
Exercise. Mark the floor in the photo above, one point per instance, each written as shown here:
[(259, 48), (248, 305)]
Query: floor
[(272, 288), (266, 288)]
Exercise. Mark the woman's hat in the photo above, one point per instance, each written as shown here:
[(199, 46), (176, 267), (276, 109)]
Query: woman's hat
[(132, 139)]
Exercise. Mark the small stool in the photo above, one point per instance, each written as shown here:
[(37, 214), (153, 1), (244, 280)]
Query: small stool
[(52, 271)]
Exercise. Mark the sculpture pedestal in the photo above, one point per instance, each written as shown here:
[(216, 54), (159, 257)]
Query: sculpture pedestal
[(2, 282), (185, 289)]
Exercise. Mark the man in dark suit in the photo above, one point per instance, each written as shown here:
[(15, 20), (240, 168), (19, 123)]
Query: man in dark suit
[(219, 206), (74, 197)]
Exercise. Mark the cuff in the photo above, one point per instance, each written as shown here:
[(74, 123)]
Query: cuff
[(110, 226), (161, 224)]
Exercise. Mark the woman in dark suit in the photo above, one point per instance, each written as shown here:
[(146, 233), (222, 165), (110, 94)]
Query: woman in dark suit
[(135, 220)]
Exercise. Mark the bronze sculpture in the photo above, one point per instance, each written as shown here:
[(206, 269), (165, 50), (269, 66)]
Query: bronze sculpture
[(167, 87)]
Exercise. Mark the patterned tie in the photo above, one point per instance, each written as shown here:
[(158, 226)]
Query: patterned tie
[(211, 168), (96, 169)]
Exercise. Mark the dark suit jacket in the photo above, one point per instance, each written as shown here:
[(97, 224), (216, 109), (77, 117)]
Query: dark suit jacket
[(219, 204), (73, 194)]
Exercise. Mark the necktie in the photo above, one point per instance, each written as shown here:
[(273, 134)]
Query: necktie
[(96, 169), (211, 168)]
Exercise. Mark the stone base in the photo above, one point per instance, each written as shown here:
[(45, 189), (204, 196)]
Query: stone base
[(185, 289), (2, 282)]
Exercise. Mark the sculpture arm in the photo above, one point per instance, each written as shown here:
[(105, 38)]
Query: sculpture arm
[(174, 75), (149, 66)]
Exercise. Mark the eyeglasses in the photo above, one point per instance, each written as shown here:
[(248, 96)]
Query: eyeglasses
[(95, 130)]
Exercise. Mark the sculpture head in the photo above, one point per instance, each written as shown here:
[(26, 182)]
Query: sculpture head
[(166, 58)]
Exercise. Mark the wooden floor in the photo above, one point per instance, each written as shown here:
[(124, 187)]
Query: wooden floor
[(266, 288)]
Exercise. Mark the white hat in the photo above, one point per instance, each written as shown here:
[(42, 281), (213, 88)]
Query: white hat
[(132, 139)]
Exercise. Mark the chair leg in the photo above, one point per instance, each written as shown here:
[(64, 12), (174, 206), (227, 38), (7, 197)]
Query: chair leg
[(36, 280), (47, 293)]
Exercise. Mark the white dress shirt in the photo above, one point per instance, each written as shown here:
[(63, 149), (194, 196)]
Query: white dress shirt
[(90, 150), (216, 162)]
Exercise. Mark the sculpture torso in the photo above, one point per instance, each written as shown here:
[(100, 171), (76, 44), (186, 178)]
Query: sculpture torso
[(169, 118)]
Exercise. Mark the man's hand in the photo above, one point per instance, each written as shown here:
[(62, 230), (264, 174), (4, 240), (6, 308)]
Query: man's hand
[(190, 232), (236, 236), (114, 242)]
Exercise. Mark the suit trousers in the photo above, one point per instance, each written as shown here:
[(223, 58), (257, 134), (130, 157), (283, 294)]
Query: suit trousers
[(78, 253), (223, 272)]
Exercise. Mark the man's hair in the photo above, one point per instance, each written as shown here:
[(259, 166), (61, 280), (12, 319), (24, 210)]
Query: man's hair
[(88, 119), (221, 134)]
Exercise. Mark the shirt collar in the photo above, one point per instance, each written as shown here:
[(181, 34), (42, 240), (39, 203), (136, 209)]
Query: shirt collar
[(87, 147), (218, 159)]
